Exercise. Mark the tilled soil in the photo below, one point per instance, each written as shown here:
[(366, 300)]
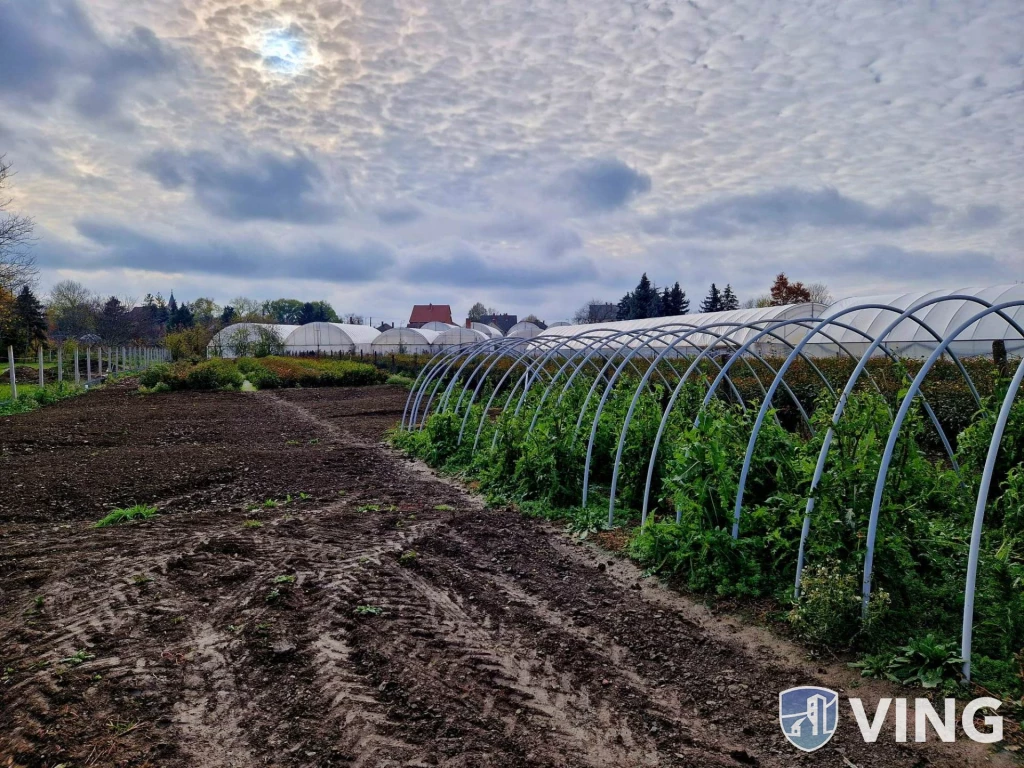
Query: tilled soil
[(380, 616)]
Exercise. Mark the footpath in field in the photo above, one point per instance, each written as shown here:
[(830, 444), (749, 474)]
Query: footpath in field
[(308, 597)]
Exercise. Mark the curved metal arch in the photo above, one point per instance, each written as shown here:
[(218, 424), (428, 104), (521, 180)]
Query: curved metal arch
[(447, 391), (890, 444), (414, 389), (437, 371), (476, 391), (632, 334), (909, 313), (970, 584), (498, 355), (566, 341), (708, 348), (723, 372), (497, 387)]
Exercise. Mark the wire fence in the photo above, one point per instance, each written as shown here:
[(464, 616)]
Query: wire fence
[(81, 365)]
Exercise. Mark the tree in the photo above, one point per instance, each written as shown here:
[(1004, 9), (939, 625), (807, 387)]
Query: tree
[(729, 300), (594, 311), (784, 292), (642, 302), (113, 324), (205, 311), (285, 311), (535, 320), (247, 310), (30, 318), (17, 265), (228, 315), (674, 302), (764, 300), (820, 293), (476, 312), (713, 302), (72, 309)]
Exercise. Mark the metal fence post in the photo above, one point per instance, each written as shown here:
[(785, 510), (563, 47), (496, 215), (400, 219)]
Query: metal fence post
[(14, 380)]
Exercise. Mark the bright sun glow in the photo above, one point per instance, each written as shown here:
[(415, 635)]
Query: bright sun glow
[(284, 52)]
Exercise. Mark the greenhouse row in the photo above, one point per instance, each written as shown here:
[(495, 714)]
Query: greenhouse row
[(860, 321)]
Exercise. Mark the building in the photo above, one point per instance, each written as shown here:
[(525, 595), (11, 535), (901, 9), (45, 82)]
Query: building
[(503, 323), (427, 313)]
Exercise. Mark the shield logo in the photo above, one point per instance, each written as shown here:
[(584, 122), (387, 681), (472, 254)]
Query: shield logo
[(808, 716)]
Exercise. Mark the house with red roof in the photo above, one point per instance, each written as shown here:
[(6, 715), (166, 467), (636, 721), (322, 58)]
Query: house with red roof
[(428, 313)]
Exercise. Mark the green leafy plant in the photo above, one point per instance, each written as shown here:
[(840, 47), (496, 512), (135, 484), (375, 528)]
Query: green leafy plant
[(926, 661), (126, 515), (252, 524), (368, 610)]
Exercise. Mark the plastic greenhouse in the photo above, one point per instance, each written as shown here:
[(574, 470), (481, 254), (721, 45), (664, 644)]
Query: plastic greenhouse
[(488, 330), (524, 330), (459, 337), (405, 341), (330, 339), (249, 339), (437, 325)]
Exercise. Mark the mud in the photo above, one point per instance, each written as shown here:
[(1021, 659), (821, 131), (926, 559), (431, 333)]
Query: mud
[(307, 597)]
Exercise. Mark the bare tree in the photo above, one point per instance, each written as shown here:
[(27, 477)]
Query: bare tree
[(764, 300), (17, 265), (820, 293), (594, 311), (72, 309)]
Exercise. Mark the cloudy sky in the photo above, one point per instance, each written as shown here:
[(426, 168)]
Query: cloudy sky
[(530, 154)]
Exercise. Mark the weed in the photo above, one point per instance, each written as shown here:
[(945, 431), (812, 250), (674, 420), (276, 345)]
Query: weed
[(123, 727), (444, 508), (78, 657), (368, 610), (271, 503), (304, 496), (252, 524), (273, 595), (126, 515), (370, 508), (284, 579), (141, 579), (408, 558)]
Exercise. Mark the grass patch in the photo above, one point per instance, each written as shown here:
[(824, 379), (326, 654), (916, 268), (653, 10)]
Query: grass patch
[(126, 515)]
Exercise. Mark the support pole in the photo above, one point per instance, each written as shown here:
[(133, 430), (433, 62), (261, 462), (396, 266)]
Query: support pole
[(78, 371), (42, 378), (14, 380), (60, 364), (88, 365)]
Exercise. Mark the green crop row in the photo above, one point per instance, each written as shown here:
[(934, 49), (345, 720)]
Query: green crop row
[(924, 526)]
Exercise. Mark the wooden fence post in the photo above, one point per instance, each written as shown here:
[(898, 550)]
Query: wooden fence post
[(60, 364), (88, 365), (78, 371), (42, 379), (14, 379)]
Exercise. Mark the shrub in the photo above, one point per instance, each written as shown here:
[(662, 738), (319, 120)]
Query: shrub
[(213, 374), (399, 380)]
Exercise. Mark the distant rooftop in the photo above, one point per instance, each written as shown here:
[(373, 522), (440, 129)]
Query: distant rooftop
[(426, 313)]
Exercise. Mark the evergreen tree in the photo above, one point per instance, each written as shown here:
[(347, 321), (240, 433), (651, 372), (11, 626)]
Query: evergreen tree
[(31, 319), (228, 315), (729, 299), (646, 300), (172, 309), (674, 302), (112, 323), (713, 302), (625, 308)]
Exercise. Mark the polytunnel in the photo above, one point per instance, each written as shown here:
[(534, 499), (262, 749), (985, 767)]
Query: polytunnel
[(330, 339), (458, 337), (405, 341), (249, 339), (758, 361), (488, 330), (524, 330), (437, 325)]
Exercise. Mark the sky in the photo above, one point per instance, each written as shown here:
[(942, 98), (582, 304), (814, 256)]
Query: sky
[(529, 154)]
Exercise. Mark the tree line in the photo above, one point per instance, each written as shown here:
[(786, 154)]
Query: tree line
[(648, 300)]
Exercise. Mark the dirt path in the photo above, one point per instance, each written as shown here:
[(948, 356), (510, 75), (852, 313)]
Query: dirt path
[(381, 617)]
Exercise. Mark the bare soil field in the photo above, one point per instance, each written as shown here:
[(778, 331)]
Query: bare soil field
[(380, 617)]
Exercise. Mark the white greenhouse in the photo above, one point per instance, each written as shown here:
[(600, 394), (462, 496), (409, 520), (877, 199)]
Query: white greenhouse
[(488, 330), (911, 339), (524, 330), (249, 339), (405, 341), (717, 324), (458, 337), (437, 325), (330, 339)]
